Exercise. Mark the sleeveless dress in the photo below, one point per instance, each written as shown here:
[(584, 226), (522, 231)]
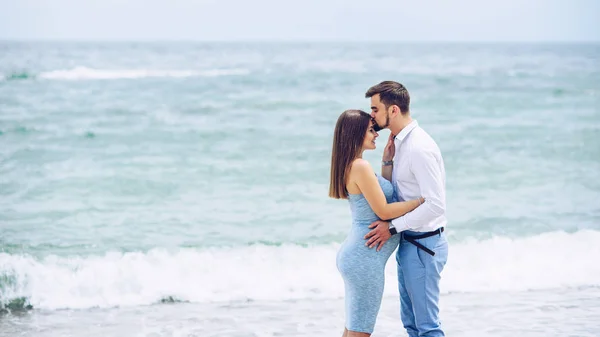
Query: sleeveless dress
[(363, 268)]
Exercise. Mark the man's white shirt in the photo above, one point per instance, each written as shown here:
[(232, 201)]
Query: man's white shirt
[(419, 171)]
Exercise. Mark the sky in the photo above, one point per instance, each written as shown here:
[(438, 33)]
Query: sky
[(304, 20)]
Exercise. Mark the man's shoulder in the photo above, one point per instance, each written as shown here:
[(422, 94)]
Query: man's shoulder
[(421, 140), (423, 148)]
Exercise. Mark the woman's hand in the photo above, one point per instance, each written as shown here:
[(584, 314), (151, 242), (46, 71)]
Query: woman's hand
[(390, 149)]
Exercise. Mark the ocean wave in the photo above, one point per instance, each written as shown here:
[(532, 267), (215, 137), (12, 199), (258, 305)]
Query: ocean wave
[(85, 73), (287, 272), (19, 75)]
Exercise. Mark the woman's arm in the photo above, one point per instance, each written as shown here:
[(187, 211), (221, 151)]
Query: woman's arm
[(363, 175)]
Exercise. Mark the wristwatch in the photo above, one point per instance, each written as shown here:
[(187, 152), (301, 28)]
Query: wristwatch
[(393, 230)]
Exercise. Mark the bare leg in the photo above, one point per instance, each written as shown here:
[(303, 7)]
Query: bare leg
[(345, 334), (358, 334)]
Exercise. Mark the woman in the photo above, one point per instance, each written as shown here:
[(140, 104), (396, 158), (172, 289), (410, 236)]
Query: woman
[(371, 197)]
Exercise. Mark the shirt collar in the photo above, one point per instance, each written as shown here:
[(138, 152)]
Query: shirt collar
[(407, 129)]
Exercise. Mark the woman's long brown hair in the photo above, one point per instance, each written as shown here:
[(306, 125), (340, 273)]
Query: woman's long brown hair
[(348, 138)]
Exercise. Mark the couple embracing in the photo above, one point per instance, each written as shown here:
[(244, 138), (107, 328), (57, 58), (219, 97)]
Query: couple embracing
[(402, 208)]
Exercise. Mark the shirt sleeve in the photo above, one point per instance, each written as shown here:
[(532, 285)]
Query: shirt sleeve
[(428, 173)]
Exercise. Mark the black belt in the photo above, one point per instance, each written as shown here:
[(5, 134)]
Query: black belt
[(412, 239)]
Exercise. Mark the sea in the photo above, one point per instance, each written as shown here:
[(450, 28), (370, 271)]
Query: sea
[(181, 188)]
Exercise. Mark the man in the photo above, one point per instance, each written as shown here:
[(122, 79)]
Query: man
[(413, 163)]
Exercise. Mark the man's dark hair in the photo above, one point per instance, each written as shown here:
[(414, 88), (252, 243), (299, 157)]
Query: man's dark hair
[(391, 93)]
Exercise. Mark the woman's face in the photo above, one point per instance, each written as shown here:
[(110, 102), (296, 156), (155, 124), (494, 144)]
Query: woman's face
[(369, 143)]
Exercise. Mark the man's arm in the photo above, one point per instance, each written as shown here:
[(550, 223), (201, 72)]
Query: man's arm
[(387, 162), (379, 235), (386, 169), (428, 174)]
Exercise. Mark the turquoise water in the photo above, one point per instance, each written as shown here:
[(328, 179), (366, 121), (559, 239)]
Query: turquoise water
[(132, 173)]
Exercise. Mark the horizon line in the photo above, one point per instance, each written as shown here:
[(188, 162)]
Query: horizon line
[(295, 40)]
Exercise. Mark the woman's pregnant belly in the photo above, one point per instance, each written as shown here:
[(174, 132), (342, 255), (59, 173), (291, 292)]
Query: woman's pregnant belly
[(354, 259)]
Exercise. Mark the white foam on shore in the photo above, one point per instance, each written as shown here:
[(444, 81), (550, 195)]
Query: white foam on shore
[(547, 261), (84, 73)]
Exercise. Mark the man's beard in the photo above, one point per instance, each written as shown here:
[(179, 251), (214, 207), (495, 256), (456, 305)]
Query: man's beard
[(378, 127)]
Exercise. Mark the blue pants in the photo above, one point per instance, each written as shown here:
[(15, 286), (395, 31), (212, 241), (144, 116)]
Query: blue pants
[(418, 282)]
